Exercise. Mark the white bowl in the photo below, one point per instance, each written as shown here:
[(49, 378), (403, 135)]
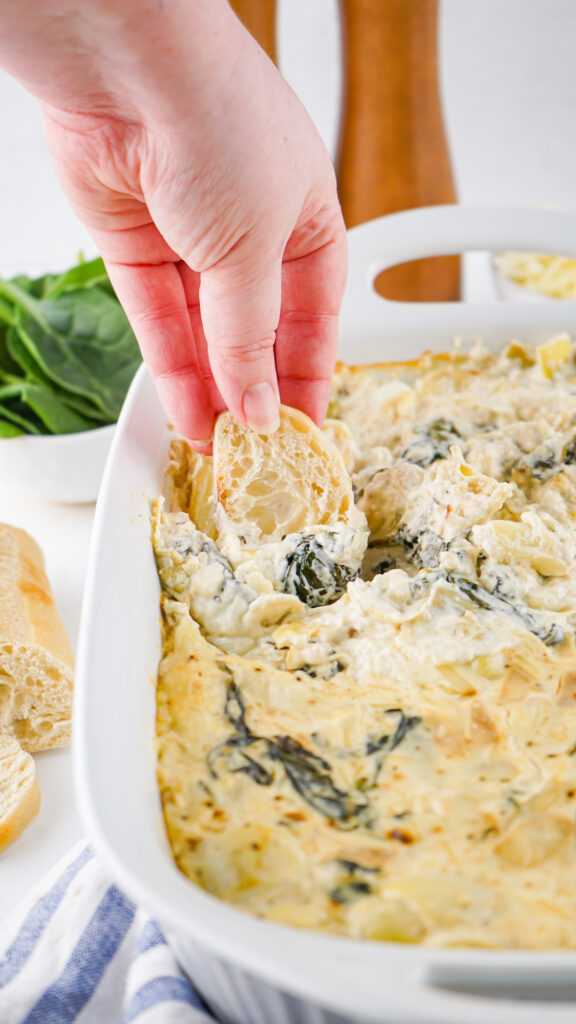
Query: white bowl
[(64, 468)]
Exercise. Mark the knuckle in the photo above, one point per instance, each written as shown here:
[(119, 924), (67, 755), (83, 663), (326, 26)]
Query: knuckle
[(153, 317), (242, 350)]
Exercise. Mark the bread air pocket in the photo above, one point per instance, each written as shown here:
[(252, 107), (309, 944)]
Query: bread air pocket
[(270, 485)]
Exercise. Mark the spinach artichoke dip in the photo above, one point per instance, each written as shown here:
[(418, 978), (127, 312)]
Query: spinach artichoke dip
[(368, 726)]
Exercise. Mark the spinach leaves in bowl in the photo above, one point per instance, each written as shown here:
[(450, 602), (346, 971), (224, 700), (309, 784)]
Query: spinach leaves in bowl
[(67, 352)]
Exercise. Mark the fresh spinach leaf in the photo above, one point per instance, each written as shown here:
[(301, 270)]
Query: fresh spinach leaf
[(13, 410), (83, 343), (26, 363), (84, 275), (9, 429), (64, 338), (57, 417)]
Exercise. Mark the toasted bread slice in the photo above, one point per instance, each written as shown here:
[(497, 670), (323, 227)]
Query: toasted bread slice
[(188, 486), (270, 485), (35, 697), (19, 793), (36, 665)]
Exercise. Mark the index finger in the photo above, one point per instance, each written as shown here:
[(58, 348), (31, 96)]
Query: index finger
[(156, 303)]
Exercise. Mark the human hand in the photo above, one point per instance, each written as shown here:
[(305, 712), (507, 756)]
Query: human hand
[(213, 202)]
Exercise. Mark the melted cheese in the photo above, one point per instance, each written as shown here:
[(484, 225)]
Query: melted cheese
[(392, 756), (552, 276)]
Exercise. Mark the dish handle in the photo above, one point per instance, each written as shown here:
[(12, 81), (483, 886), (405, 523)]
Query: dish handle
[(457, 994), (437, 231)]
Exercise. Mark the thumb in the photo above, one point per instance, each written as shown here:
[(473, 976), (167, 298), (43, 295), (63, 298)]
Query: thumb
[(240, 307)]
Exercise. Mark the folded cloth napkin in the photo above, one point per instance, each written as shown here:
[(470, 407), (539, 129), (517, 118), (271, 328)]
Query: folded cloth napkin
[(77, 950)]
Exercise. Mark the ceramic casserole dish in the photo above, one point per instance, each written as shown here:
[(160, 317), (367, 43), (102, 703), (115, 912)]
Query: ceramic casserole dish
[(251, 971)]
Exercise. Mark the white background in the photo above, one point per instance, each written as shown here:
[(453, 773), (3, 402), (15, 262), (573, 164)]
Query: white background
[(509, 86)]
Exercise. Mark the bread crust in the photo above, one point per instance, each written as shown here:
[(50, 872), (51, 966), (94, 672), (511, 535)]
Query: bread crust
[(28, 614), (36, 672), (19, 792)]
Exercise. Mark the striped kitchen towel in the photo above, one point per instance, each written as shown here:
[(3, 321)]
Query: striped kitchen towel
[(77, 950)]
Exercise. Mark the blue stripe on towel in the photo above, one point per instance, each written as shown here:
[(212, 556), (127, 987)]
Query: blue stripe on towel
[(103, 935), (151, 936), (37, 919), (161, 990)]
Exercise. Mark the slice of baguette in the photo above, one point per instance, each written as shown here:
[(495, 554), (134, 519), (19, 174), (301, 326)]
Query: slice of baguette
[(188, 486), (36, 665), (19, 793), (270, 485)]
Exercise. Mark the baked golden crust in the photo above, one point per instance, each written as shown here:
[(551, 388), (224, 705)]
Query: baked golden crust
[(397, 761)]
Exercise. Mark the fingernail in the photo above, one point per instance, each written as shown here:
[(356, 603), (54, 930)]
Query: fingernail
[(196, 444), (260, 407)]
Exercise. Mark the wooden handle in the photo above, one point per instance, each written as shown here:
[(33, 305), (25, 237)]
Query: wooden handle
[(393, 153), (259, 17)]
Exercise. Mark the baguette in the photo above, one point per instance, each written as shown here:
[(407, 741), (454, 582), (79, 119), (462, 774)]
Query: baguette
[(19, 793), (36, 665), (188, 486), (271, 485), (36, 671)]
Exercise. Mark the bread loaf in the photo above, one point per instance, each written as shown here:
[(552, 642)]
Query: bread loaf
[(36, 676), (36, 662)]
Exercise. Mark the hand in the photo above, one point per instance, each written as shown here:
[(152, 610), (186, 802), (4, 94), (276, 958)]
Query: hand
[(213, 202)]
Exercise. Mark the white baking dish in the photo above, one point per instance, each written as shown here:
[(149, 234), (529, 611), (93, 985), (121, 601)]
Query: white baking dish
[(251, 971)]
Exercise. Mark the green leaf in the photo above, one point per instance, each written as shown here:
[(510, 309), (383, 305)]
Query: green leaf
[(33, 372), (6, 312), (67, 352), (82, 341), (50, 286), (85, 275), (57, 417), (31, 286), (9, 429), (9, 367), (11, 409)]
